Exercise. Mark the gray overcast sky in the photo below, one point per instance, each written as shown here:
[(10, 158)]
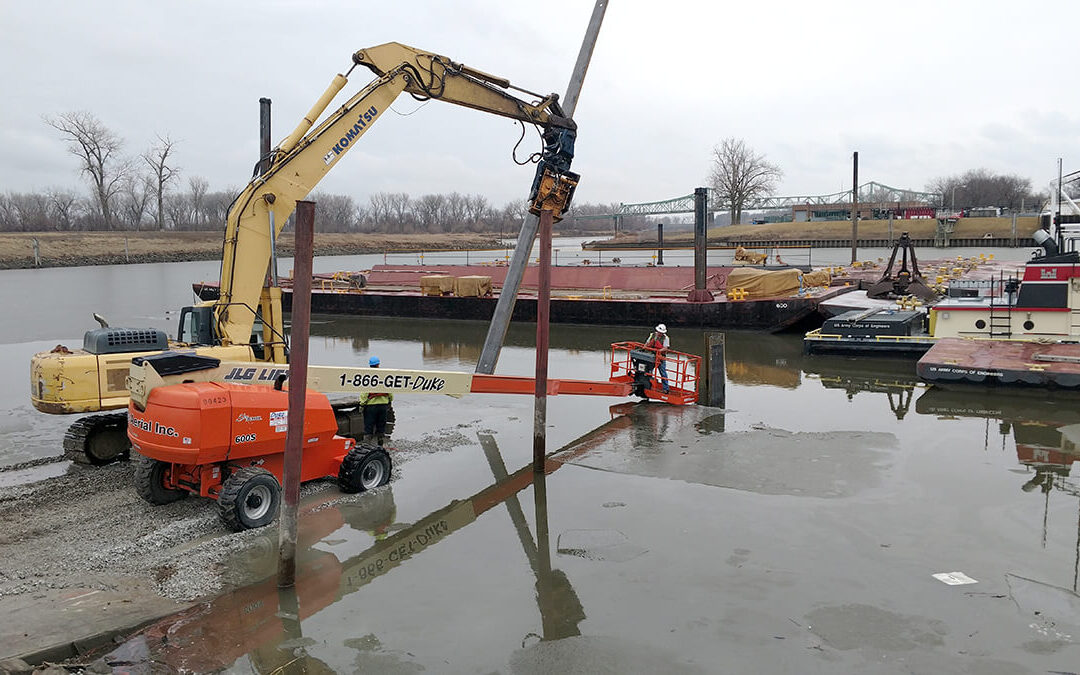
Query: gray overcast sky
[(920, 89)]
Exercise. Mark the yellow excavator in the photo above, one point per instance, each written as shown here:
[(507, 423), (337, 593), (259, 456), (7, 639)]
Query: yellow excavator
[(245, 323)]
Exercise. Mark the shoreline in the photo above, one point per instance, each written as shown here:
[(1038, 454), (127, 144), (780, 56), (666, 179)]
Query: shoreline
[(81, 249)]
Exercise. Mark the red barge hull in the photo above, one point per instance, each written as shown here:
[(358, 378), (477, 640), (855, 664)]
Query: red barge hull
[(582, 295), (1002, 363)]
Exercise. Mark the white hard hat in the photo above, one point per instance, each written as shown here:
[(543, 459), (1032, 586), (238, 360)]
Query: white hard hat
[(661, 328)]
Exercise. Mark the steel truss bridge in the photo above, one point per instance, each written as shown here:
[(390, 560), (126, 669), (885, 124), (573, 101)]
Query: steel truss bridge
[(869, 193)]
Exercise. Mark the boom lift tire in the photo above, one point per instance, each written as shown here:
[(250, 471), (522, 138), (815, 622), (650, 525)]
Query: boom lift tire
[(150, 481), (249, 498), (364, 468), (98, 439)]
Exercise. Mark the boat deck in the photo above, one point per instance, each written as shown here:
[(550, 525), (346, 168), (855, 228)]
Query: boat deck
[(1002, 363)]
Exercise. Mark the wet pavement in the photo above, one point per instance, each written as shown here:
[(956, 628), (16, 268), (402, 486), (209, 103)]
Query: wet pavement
[(796, 531)]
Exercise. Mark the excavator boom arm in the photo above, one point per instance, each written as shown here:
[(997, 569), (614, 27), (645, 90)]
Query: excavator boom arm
[(310, 151)]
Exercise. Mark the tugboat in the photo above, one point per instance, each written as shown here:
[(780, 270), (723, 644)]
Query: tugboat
[(1043, 305)]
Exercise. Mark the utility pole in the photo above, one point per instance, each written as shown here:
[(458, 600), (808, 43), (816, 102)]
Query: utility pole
[(504, 307)]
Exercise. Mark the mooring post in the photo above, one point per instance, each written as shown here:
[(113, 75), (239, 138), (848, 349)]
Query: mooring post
[(504, 306), (298, 365), (891, 214), (659, 243), (715, 378), (701, 251), (543, 315), (854, 206), (37, 252)]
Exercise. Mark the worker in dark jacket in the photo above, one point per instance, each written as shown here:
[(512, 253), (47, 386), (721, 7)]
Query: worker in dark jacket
[(376, 406)]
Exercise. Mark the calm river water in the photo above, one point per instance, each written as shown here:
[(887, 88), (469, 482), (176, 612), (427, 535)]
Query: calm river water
[(821, 500)]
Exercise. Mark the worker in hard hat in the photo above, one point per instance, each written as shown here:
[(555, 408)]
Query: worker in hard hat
[(659, 342), (376, 407)]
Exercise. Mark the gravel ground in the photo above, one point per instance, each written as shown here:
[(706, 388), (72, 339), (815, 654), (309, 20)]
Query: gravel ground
[(88, 528)]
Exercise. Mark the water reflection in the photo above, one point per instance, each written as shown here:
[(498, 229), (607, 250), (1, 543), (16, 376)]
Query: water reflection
[(1045, 432), (264, 625)]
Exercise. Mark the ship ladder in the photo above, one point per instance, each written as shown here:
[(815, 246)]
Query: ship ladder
[(1000, 317)]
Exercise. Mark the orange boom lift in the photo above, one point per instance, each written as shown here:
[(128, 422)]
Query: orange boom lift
[(200, 430)]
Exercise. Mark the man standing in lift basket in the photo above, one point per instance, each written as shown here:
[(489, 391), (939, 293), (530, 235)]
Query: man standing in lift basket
[(376, 406), (659, 342)]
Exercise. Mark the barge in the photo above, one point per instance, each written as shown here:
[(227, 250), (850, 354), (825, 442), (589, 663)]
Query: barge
[(580, 295), (1041, 301), (1002, 363)]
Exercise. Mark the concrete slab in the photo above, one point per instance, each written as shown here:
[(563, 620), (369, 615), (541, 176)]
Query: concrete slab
[(59, 624)]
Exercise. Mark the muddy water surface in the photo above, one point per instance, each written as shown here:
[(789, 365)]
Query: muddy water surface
[(795, 531)]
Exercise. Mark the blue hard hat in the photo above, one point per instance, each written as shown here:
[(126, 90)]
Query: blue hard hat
[(373, 361)]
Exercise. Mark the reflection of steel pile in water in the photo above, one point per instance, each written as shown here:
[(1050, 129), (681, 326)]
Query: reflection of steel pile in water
[(266, 624)]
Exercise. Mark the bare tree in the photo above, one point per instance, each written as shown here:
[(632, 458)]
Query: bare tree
[(98, 150), (63, 204), (157, 158), (178, 210), (198, 186), (429, 211), (477, 211), (401, 211), (981, 187), (739, 174), (135, 199), (337, 213), (217, 206)]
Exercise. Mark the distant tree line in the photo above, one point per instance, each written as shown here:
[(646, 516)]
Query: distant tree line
[(147, 193), (981, 187), (195, 207)]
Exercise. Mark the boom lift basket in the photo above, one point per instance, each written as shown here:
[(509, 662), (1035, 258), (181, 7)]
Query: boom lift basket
[(634, 363)]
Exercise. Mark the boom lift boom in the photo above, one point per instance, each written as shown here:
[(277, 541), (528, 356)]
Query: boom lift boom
[(245, 323)]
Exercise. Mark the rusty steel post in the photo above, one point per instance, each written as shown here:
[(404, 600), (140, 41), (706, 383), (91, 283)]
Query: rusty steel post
[(543, 315), (298, 363), (854, 207), (659, 243), (701, 250)]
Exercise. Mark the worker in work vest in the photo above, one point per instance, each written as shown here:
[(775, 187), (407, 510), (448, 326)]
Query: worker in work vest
[(659, 342), (376, 406)]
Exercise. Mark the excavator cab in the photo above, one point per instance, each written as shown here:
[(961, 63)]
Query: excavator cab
[(196, 328)]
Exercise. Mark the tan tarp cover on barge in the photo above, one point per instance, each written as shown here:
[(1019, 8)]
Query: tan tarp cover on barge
[(764, 283), (816, 278), (472, 286), (437, 284)]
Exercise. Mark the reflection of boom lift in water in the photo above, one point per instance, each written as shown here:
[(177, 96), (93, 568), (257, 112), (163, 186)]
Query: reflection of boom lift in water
[(266, 622), (906, 282)]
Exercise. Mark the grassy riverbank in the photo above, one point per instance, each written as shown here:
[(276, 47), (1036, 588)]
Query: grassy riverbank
[(69, 249)]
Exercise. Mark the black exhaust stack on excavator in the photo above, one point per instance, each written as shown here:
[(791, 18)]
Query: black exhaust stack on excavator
[(905, 282)]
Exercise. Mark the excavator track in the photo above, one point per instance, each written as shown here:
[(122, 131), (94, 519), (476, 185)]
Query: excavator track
[(98, 439)]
